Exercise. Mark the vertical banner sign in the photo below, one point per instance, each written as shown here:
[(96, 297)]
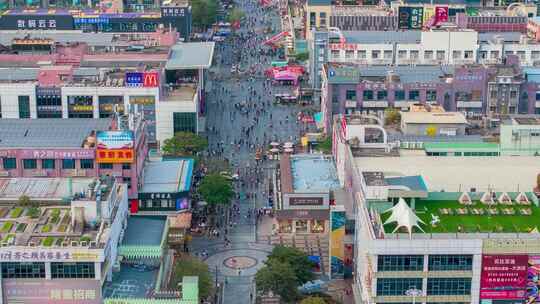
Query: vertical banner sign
[(441, 14), (429, 12), (533, 280), (417, 14), (503, 277), (404, 15), (337, 236), (150, 79)]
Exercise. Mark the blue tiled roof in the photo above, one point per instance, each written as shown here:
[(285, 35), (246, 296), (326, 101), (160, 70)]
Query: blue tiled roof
[(414, 183)]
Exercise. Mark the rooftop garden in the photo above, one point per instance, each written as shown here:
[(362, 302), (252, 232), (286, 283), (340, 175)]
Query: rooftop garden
[(452, 217)]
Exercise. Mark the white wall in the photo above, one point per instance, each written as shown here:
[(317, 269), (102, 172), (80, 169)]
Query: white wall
[(9, 93), (164, 115)]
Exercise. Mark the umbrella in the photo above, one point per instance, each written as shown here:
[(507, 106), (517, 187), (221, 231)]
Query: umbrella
[(274, 143), (289, 150), (274, 150)]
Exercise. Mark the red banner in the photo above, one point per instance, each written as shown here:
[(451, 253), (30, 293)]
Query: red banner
[(503, 277), (441, 14)]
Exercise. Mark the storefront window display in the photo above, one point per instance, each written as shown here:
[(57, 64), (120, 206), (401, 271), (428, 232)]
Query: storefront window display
[(285, 226), (301, 226), (317, 226)]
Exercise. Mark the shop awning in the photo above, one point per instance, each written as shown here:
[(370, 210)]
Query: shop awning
[(303, 214)]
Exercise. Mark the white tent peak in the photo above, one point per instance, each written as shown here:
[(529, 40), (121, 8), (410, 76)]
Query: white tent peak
[(404, 216)]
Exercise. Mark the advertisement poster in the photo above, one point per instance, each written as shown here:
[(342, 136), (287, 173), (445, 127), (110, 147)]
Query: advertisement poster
[(533, 280), (503, 277), (429, 12), (109, 140), (417, 15), (337, 249), (404, 15), (441, 14), (59, 291)]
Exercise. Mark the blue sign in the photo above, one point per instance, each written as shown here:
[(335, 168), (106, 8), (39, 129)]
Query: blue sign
[(134, 79), (88, 20)]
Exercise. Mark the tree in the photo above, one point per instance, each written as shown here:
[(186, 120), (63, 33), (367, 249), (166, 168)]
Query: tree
[(431, 131), (313, 300), (279, 278), (215, 189), (190, 266), (392, 116), (184, 144), (24, 201), (302, 57), (203, 12), (235, 15), (298, 261), (325, 144)]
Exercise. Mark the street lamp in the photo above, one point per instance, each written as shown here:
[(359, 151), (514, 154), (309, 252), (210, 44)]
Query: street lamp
[(414, 293)]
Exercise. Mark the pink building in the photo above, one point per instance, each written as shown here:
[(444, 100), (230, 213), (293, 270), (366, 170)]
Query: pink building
[(67, 148)]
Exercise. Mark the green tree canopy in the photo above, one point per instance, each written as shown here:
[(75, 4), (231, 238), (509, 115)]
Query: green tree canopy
[(216, 189), (24, 201), (190, 266), (203, 12), (392, 116), (235, 15), (298, 261), (184, 144), (302, 57), (279, 278), (313, 300), (325, 144)]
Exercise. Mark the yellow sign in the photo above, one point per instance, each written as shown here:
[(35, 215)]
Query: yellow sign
[(85, 256), (82, 108), (428, 13)]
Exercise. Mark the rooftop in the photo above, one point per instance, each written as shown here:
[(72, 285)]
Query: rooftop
[(477, 217), (48, 189), (377, 37), (374, 178), (167, 176), (312, 173), (502, 173), (460, 146), (48, 132), (338, 73), (527, 120), (433, 118), (413, 183), (144, 230), (191, 55)]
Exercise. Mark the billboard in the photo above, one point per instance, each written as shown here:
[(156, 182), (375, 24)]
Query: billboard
[(36, 22), (58, 291), (337, 249), (533, 280), (416, 18), (404, 15), (503, 277), (138, 79), (114, 140), (441, 14)]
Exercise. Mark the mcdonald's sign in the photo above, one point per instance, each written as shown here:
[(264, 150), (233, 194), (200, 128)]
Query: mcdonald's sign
[(147, 80)]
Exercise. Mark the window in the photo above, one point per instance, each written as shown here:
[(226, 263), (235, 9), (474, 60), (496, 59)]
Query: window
[(450, 262), (9, 163), (80, 106), (402, 54), (521, 55), (468, 54), (440, 55), (382, 95), (105, 166), (456, 54), (16, 270), (387, 54), (47, 163), (431, 95), (322, 19), (493, 94), (483, 54), (126, 166), (24, 106), (350, 95), (127, 181), (349, 54), (399, 95), (535, 55), (362, 55), (312, 19), (29, 163), (87, 163), (185, 122), (400, 262), (397, 286), (375, 54), (414, 55), (72, 270), (428, 55), (335, 54), (448, 286), (414, 95), (506, 53), (367, 95), (68, 164), (513, 94), (494, 54)]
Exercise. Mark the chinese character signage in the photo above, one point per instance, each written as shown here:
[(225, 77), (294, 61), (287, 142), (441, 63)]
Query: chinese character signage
[(147, 80), (404, 15), (116, 156), (48, 255), (503, 277), (173, 11), (58, 291), (441, 14), (114, 140), (142, 100), (48, 153), (416, 18)]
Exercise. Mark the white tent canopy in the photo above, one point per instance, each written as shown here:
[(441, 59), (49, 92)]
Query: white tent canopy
[(404, 216), (465, 199)]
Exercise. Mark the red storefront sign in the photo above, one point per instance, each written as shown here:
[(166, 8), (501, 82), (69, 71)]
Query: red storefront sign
[(503, 277), (150, 79), (441, 14), (343, 46)]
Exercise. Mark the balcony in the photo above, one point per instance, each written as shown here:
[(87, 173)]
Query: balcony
[(469, 104), (375, 104)]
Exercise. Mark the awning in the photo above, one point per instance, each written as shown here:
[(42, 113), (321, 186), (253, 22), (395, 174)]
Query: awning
[(303, 214)]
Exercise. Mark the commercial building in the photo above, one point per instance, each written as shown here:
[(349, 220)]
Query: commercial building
[(76, 148), (440, 229), (520, 135), (433, 123), (63, 249)]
